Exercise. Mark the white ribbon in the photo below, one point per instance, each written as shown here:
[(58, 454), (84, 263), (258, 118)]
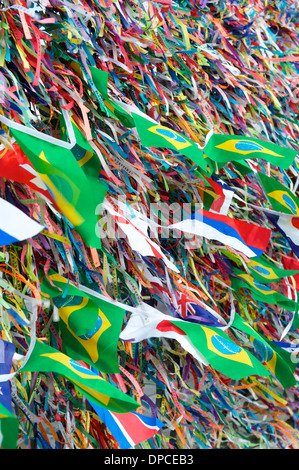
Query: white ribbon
[(41, 135)]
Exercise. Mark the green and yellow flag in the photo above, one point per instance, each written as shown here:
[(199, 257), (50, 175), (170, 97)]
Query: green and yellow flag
[(226, 148), (265, 271), (44, 358), (90, 327), (261, 292), (280, 197), (274, 358), (210, 343), (88, 161), (67, 179), (9, 429), (150, 132), (153, 134), (222, 353)]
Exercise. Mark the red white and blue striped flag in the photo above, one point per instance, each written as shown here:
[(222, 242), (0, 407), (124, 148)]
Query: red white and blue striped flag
[(248, 238), (15, 226), (128, 429), (288, 226)]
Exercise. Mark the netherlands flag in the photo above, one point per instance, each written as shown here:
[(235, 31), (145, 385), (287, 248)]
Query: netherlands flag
[(15, 226), (128, 429), (248, 238)]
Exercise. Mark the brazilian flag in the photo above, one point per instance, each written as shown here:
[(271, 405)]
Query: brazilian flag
[(275, 358), (90, 327), (226, 148), (153, 134), (150, 132), (44, 358), (9, 429), (266, 272), (67, 182), (88, 161), (280, 197), (261, 292), (217, 348)]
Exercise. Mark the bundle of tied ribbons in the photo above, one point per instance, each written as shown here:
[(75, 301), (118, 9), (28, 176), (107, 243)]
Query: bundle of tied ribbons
[(149, 224)]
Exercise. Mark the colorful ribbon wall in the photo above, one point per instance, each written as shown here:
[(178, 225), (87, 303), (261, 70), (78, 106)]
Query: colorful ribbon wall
[(153, 144)]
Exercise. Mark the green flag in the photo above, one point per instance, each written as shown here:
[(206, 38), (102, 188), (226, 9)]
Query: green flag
[(9, 429), (89, 326), (221, 352), (280, 197), (153, 134), (100, 79), (67, 182), (150, 132), (226, 148), (275, 358), (44, 358), (210, 343), (89, 162), (87, 159), (260, 292), (242, 167), (265, 272)]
